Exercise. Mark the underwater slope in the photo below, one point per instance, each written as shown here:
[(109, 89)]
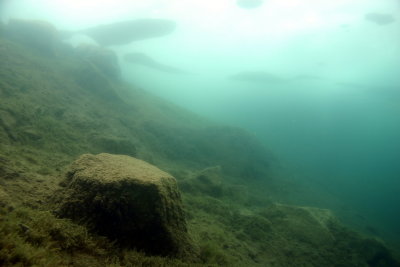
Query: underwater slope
[(67, 105), (58, 106)]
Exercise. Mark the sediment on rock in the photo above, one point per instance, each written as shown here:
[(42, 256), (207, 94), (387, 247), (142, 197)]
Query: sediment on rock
[(127, 200)]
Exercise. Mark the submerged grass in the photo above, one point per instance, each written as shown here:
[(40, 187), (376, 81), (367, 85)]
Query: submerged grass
[(37, 238)]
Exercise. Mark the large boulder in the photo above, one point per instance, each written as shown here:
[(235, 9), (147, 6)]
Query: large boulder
[(127, 200), (39, 35)]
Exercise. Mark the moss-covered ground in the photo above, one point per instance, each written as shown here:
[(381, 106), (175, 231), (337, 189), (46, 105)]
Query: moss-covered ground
[(52, 109)]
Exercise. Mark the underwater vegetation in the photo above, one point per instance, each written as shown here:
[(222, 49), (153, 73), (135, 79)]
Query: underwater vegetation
[(218, 187)]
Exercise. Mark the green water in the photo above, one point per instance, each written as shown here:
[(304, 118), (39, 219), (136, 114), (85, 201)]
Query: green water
[(338, 128), (331, 111)]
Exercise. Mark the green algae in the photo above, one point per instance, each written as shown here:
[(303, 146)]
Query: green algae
[(54, 109)]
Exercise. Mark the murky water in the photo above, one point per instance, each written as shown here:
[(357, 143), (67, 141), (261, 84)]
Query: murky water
[(317, 81)]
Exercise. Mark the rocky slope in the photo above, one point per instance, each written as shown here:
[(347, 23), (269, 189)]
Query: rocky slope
[(56, 106)]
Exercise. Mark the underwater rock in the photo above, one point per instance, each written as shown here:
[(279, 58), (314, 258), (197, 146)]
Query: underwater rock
[(37, 34), (105, 59), (127, 200), (125, 32), (380, 18), (249, 4), (145, 60)]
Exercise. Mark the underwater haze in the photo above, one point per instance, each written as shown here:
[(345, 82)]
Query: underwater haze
[(317, 81)]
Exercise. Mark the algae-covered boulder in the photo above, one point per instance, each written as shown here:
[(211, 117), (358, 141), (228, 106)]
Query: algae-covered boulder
[(37, 34), (127, 200), (105, 59)]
